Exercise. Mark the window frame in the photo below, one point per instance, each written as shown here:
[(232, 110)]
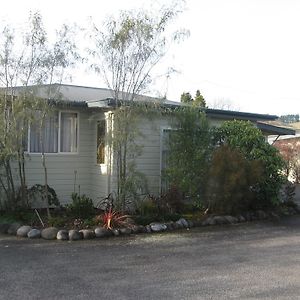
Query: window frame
[(105, 144), (58, 136)]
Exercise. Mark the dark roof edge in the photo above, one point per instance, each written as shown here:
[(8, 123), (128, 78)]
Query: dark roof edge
[(275, 129), (246, 115)]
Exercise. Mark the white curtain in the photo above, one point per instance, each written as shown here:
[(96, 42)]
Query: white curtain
[(68, 132), (49, 134)]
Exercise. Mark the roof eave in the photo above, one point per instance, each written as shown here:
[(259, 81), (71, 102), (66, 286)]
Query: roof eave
[(275, 130)]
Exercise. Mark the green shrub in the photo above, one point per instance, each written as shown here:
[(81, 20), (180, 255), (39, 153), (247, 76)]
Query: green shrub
[(250, 142), (233, 181), (57, 221), (81, 207), (189, 151), (172, 201), (38, 190), (90, 222)]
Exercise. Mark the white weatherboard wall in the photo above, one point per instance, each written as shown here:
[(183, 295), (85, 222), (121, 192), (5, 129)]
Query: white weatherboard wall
[(61, 168), (149, 163)]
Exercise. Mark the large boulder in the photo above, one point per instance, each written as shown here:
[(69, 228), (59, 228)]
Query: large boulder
[(170, 226), (158, 227), (49, 233), (23, 231), (241, 219), (101, 232), (88, 234), (183, 222), (148, 229), (135, 229), (63, 235), (261, 215), (231, 219), (220, 220), (34, 234), (125, 231), (209, 221), (115, 231), (75, 235), (13, 228)]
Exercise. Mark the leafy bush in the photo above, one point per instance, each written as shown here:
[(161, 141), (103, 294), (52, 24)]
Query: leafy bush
[(57, 221), (288, 193), (172, 201), (147, 207), (38, 190), (233, 181), (81, 207), (249, 140), (190, 148)]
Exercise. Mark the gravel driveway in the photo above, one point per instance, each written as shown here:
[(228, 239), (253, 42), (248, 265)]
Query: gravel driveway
[(244, 261)]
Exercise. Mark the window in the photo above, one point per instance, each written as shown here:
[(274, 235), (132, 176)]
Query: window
[(101, 129), (68, 132), (46, 138), (59, 134)]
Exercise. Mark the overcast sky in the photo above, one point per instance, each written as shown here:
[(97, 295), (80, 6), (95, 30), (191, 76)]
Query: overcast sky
[(245, 53)]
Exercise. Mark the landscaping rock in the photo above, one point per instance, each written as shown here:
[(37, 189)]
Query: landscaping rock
[(34, 234), (75, 235), (241, 219), (248, 216), (101, 232), (125, 231), (261, 215), (23, 231), (4, 227), (158, 227), (135, 229), (115, 232), (274, 216), (88, 234), (148, 229), (231, 219), (291, 211), (183, 222), (49, 233), (12, 229), (209, 221), (170, 226), (177, 226), (63, 235), (142, 229), (220, 220)]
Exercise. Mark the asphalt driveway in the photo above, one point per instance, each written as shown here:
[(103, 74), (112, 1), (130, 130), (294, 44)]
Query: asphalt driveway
[(244, 261)]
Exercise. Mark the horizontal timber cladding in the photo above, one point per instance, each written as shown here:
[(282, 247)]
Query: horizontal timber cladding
[(66, 170)]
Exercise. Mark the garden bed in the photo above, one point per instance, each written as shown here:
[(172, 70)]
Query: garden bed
[(76, 233)]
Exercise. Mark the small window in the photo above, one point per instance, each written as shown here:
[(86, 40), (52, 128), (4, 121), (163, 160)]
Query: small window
[(101, 129), (68, 132)]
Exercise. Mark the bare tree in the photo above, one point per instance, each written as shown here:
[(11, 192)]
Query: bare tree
[(127, 48), (28, 60)]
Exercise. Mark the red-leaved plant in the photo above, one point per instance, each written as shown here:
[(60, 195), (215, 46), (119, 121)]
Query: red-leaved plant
[(112, 218)]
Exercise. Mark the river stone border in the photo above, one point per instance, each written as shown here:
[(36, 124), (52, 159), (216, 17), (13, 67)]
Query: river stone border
[(53, 233)]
